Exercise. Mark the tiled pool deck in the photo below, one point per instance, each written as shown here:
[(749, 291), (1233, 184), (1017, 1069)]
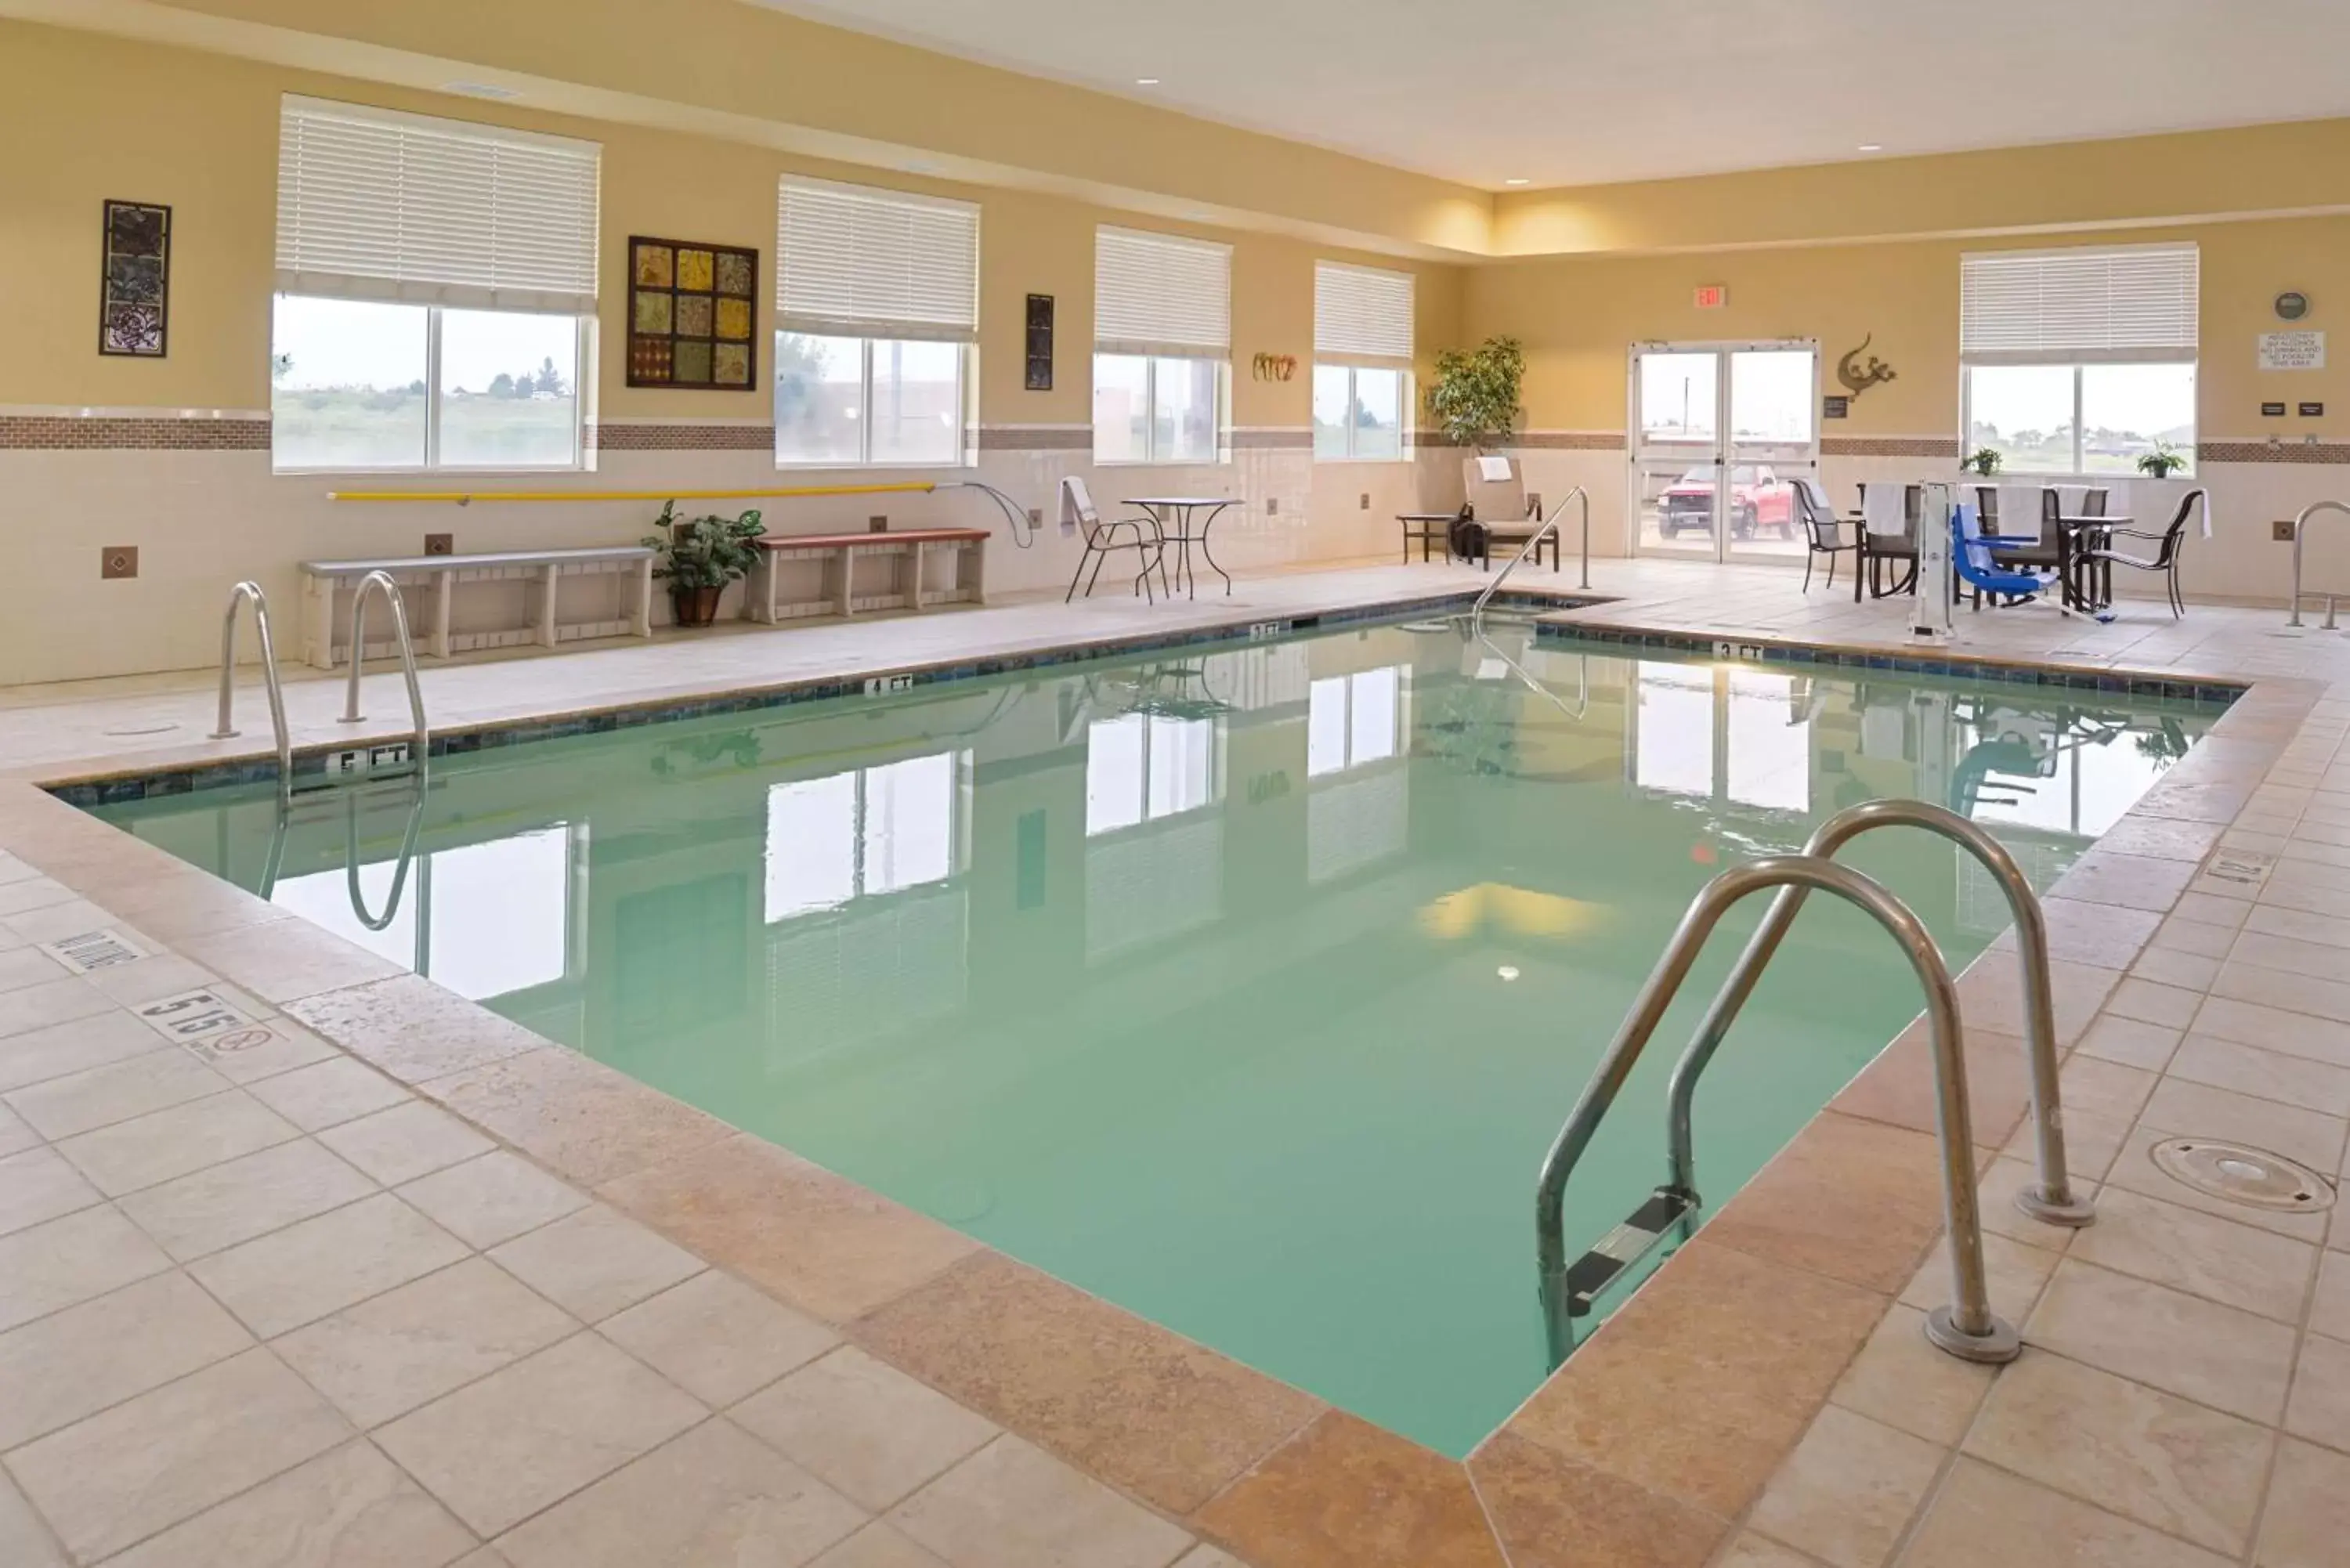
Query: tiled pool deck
[(386, 1278)]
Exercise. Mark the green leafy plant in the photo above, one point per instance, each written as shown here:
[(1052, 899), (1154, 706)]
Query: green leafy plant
[(2163, 461), (1985, 462), (703, 552), (1475, 397)]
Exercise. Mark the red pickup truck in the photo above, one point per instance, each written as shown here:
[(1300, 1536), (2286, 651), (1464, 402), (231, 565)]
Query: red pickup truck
[(1759, 499)]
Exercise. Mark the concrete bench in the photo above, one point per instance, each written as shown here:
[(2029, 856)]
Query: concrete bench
[(326, 586), (908, 551)]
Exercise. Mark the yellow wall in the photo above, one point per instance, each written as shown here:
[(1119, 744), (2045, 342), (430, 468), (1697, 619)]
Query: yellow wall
[(200, 132)]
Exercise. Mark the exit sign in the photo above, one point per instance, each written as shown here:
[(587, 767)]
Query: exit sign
[(1713, 295)]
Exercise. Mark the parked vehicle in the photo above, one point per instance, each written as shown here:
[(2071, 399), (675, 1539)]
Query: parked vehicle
[(1759, 499)]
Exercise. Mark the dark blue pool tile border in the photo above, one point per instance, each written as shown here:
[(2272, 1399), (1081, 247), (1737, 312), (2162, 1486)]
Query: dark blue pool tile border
[(1763, 651), (312, 764)]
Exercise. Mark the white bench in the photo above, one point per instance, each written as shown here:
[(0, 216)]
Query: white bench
[(908, 551), (327, 584)]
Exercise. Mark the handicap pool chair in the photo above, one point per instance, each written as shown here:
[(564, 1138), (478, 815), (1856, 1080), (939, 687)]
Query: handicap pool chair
[(1978, 569), (1139, 535)]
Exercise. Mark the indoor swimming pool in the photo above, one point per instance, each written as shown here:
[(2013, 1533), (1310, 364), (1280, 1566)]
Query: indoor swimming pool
[(1244, 985)]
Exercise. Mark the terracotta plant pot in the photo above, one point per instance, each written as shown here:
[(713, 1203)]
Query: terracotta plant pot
[(694, 606)]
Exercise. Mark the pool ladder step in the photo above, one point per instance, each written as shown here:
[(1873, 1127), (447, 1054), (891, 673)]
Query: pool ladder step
[(420, 734), (1966, 1328)]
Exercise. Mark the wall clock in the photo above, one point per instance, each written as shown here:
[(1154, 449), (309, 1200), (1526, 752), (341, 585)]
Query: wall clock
[(2292, 305)]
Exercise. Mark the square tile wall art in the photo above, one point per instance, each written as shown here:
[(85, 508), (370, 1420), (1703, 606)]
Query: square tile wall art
[(692, 312), (134, 285)]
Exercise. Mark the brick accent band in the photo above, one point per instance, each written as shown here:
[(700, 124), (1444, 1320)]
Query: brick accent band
[(49, 432), (2262, 451), (1035, 437), (619, 435)]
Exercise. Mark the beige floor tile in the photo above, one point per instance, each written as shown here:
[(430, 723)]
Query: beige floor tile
[(871, 1431), (2202, 907), (2006, 1177), (405, 1142), (2091, 1141), (2275, 988), (24, 1009), (2199, 1110), (2016, 1272), (499, 1451), (165, 1144), (326, 1094), (38, 1185), (245, 1198), (2199, 1252), (2288, 952), (878, 1546), (348, 1508), (413, 1029), (128, 1472), (285, 960), (67, 1261), (1902, 1380), (1847, 1491), (60, 1107), (717, 1338), (494, 1199), (1752, 1551), (15, 1137), (2180, 934), (2168, 966), (2320, 1410), (2330, 1313), (2135, 1171), (712, 1496), (2129, 881), (2307, 1520), (2152, 1003), (1013, 1506), (72, 1364), (296, 1275), (2094, 1087), (2183, 1344), (24, 966), (2161, 1460), (271, 1047), (2273, 1029), (1201, 1556), (395, 1352), (24, 1541), (2113, 1038), (2264, 1074), (1984, 1518), (595, 1262)]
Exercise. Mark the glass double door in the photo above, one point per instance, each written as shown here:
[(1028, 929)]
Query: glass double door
[(1722, 431)]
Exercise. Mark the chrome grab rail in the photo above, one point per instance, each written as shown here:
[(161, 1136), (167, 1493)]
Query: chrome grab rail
[(226, 728), (2306, 514), (1966, 1328), (2051, 1201), (400, 872), (1550, 525), (421, 741), (1581, 708)]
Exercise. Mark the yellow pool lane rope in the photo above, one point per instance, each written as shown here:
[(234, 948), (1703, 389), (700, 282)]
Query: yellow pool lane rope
[(463, 498)]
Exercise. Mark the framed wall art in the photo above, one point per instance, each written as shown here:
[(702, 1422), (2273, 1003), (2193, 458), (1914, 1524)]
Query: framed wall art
[(693, 315), (134, 283)]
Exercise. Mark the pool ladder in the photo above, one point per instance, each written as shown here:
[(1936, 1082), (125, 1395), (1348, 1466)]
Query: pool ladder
[(1550, 525), (2299, 523), (420, 733), (1966, 1328)]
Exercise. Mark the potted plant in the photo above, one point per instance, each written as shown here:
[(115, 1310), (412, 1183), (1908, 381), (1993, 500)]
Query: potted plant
[(2163, 461), (1985, 462), (1474, 398), (699, 556)]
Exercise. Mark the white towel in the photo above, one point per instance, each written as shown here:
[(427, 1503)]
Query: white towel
[(1880, 510), (1494, 470), (2207, 514), (2019, 512)]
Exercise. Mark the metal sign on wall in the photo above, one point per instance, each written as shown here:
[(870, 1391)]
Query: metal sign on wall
[(2292, 351)]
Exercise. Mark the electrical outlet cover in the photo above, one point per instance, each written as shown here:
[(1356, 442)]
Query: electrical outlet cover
[(440, 543), (2281, 531), (117, 561)]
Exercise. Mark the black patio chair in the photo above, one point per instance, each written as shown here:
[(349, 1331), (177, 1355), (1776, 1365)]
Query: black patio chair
[(1823, 533), (2168, 544)]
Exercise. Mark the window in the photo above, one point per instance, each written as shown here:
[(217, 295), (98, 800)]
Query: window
[(436, 287), (1362, 362), (1354, 720), (1162, 346), (1141, 767), (2083, 360), (877, 309), (860, 832)]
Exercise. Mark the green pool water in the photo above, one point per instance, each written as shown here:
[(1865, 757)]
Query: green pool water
[(1244, 988)]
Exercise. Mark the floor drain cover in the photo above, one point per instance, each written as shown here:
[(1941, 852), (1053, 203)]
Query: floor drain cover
[(2243, 1175)]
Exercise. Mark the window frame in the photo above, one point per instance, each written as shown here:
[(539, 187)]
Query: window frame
[(966, 383), (583, 349), (1405, 429), (1152, 457), (2079, 367)]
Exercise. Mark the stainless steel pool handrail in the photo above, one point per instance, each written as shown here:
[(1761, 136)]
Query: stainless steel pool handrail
[(2307, 513), (1550, 525), (1966, 1328), (226, 728), (416, 783), (421, 742), (2050, 1200)]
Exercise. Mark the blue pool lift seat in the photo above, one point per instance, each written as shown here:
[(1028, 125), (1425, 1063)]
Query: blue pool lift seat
[(1978, 569)]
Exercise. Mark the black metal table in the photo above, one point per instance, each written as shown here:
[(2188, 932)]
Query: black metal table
[(1179, 525)]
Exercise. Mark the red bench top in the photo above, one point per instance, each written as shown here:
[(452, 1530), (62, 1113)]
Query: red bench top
[(888, 536)]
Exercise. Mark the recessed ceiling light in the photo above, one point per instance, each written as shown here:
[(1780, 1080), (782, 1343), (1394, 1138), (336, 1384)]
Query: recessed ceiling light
[(1513, 182), (1872, 147), (1146, 81)]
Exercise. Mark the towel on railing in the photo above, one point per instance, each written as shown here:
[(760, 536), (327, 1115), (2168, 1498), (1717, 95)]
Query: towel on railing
[(2207, 513), (2019, 512), (1881, 510)]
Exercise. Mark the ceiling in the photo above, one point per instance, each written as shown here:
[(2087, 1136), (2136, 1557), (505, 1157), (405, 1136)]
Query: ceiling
[(1563, 92)]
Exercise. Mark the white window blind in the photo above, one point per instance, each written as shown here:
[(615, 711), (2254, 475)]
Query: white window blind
[(1362, 314), (376, 204), (2134, 304), (1156, 293), (857, 262)]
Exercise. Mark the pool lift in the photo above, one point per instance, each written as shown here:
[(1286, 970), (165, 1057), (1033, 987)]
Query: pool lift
[(1966, 1328)]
